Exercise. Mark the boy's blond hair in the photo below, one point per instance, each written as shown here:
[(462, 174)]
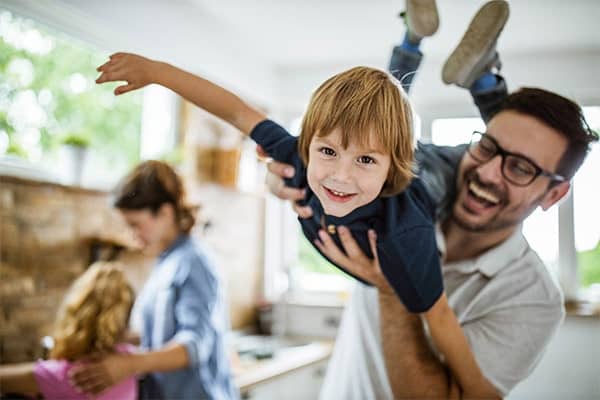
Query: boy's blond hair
[(360, 101), (94, 313)]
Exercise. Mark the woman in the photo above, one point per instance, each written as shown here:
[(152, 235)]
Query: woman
[(182, 308), (92, 319)]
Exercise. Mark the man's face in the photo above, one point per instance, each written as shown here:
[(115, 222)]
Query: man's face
[(345, 179), (485, 200)]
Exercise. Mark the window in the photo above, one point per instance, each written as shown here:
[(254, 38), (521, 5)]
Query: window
[(48, 96), (586, 199)]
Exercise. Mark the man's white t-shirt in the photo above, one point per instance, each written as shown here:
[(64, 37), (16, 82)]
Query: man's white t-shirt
[(506, 302)]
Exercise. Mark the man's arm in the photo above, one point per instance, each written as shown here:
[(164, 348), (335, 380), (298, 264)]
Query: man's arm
[(451, 341), (139, 71), (412, 368)]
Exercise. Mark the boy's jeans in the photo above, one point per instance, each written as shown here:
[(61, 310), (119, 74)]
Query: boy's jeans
[(404, 65)]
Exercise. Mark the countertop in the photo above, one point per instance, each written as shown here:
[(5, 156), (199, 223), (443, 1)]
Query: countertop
[(284, 360)]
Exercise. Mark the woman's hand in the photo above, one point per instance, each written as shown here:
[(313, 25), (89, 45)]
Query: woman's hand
[(136, 70), (355, 261), (276, 185), (97, 375)]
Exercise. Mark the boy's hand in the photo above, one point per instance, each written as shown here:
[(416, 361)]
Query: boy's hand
[(131, 68), (276, 185), (355, 261)]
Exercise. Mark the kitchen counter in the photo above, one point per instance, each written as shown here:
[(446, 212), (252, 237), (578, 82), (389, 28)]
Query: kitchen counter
[(284, 360)]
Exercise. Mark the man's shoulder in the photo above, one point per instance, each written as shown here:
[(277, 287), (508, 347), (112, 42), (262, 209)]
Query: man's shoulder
[(526, 280)]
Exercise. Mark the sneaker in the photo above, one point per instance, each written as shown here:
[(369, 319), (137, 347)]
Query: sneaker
[(476, 53), (421, 17)]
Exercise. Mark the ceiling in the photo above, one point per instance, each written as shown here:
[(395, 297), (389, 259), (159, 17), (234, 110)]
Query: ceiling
[(307, 32), (281, 49)]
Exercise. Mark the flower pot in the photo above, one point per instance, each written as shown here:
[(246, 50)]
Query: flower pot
[(73, 163)]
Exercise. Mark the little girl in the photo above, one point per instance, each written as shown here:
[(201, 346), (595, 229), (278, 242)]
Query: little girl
[(91, 320)]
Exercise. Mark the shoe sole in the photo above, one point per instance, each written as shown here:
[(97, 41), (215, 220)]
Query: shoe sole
[(423, 17), (483, 31)]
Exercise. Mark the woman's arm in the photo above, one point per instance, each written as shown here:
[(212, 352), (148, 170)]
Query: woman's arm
[(18, 378), (139, 71), (97, 376)]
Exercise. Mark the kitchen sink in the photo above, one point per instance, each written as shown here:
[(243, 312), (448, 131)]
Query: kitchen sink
[(264, 346)]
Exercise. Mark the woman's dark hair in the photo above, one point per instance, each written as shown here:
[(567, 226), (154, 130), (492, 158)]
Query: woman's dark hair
[(561, 114), (150, 185)]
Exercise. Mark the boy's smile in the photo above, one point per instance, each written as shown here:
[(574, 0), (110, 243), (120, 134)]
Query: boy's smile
[(345, 179)]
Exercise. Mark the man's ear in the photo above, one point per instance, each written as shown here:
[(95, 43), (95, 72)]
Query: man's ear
[(555, 194)]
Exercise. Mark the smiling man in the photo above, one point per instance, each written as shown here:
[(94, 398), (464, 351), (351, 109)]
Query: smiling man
[(501, 294)]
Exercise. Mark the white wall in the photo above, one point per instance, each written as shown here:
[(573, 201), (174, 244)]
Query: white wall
[(570, 368)]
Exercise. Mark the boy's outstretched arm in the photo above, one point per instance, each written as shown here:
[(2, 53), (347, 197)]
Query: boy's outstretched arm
[(139, 71)]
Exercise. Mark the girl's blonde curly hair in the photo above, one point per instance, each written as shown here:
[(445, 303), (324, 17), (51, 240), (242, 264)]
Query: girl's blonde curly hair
[(94, 313)]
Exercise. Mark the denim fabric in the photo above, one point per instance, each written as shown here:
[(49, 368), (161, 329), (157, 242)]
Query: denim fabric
[(182, 302), (404, 65), (489, 102), (437, 167)]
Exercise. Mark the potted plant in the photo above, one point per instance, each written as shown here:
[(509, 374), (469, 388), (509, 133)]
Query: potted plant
[(74, 148)]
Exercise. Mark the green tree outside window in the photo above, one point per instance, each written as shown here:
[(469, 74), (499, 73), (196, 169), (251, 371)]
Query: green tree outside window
[(47, 92)]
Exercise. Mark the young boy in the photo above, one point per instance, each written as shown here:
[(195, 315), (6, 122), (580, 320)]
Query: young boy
[(355, 153)]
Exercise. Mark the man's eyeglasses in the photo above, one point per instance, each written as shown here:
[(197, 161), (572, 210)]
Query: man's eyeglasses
[(517, 169)]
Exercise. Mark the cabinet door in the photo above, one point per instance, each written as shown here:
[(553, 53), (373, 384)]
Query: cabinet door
[(302, 384)]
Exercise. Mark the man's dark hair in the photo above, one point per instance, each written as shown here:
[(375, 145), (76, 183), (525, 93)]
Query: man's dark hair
[(561, 114)]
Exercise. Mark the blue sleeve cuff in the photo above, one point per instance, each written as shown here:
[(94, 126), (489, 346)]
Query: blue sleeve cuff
[(280, 145)]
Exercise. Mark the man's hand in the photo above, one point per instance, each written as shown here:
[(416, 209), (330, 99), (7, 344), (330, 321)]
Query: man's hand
[(99, 374), (355, 261), (278, 171), (135, 70)]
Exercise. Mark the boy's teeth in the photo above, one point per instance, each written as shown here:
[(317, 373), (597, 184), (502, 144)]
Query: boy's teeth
[(483, 194), (338, 193)]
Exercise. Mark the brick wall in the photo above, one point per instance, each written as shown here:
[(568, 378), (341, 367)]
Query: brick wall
[(45, 235)]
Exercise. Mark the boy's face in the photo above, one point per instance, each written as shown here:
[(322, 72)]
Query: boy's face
[(345, 179), (485, 200)]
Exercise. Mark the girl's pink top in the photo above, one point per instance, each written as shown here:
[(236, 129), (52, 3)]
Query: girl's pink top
[(53, 381)]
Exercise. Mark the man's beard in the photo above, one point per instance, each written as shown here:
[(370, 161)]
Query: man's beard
[(496, 223)]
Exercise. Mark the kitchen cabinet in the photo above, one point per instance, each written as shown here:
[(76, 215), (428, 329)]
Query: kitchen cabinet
[(301, 384)]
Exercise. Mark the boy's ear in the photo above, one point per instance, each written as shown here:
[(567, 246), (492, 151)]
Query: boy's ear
[(555, 194)]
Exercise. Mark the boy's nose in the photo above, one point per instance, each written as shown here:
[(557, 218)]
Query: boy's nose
[(342, 173)]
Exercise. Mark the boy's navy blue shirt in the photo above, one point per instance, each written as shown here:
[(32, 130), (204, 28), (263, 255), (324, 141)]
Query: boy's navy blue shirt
[(404, 223)]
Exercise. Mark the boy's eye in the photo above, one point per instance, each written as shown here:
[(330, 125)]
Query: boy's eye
[(366, 160), (327, 151)]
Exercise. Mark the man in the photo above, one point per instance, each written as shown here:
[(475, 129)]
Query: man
[(502, 295)]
